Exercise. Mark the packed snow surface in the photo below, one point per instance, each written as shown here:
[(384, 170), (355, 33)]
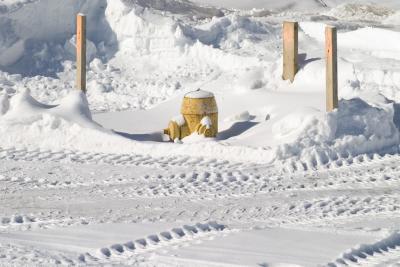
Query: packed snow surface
[(88, 179)]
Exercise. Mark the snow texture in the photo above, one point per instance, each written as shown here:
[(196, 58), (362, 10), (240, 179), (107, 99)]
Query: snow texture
[(88, 179)]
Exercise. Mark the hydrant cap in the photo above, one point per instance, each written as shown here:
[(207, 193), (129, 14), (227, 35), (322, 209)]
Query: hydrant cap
[(199, 94)]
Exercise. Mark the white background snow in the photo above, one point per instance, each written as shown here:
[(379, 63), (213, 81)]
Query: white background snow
[(90, 179)]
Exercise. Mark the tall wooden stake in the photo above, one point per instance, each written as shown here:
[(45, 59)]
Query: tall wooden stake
[(81, 52), (331, 69), (290, 50)]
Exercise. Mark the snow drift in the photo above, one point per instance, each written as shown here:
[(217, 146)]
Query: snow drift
[(356, 128), (308, 135), (142, 53), (33, 125)]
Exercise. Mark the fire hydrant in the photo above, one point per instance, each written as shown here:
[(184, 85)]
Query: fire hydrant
[(199, 114)]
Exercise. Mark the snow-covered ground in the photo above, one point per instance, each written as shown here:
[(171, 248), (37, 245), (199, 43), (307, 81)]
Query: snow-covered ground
[(91, 180)]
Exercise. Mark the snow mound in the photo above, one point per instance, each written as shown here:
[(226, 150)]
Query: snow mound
[(315, 137), (360, 39), (393, 19), (74, 108), (143, 32), (29, 123), (37, 41), (360, 12), (231, 31), (307, 135), (176, 7)]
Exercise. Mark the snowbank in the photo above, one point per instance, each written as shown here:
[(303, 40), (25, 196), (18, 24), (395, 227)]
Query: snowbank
[(32, 44), (308, 135), (28, 123), (361, 39), (356, 128), (292, 5), (353, 11), (68, 126), (144, 52)]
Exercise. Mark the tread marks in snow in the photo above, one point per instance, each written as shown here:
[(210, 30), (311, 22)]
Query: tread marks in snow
[(381, 253), (154, 241)]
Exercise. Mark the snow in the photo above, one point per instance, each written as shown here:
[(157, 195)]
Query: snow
[(199, 94), (23, 108), (4, 104), (290, 5), (206, 121), (355, 128), (253, 247), (179, 119), (90, 178)]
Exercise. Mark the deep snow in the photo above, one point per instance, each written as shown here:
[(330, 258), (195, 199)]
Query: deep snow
[(279, 161), (233, 57)]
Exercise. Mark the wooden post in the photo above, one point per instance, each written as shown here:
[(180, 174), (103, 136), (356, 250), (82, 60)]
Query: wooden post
[(290, 50), (81, 52), (331, 68)]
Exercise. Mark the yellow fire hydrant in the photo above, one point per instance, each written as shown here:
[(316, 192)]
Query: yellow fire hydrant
[(199, 114)]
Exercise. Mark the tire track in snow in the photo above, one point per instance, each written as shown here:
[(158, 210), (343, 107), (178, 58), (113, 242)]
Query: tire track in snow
[(117, 159), (251, 194), (338, 161), (176, 237), (289, 166), (122, 254), (382, 253)]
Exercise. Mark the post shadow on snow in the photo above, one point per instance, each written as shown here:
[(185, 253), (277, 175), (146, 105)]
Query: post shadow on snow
[(236, 129), (302, 60), (396, 115)]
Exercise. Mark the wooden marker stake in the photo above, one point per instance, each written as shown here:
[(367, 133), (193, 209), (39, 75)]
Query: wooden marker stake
[(331, 69), (290, 50), (81, 52)]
